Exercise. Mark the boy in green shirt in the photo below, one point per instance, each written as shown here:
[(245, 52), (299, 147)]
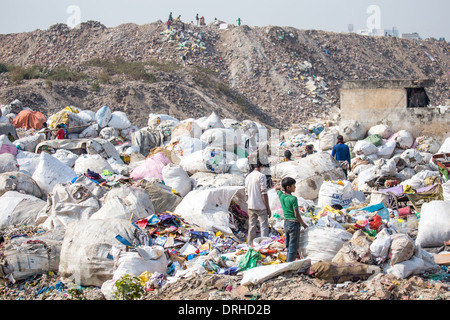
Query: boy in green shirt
[(292, 218)]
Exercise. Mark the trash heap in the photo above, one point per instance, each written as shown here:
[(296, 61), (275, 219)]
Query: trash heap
[(117, 206)]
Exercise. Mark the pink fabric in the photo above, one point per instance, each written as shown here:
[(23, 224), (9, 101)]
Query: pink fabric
[(8, 148), (150, 168)]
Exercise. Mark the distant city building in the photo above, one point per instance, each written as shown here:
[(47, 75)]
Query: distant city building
[(392, 32), (413, 36), (371, 32)]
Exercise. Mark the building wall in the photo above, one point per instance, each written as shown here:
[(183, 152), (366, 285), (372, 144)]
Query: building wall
[(388, 106)]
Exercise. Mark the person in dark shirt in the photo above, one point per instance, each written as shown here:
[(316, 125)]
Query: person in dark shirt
[(287, 156), (309, 150), (341, 152)]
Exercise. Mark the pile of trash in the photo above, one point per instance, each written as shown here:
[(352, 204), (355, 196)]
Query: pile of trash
[(115, 206)]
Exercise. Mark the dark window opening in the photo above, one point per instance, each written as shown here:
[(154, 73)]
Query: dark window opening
[(417, 98)]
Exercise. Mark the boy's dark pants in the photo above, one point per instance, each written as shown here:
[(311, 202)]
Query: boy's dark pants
[(292, 232)]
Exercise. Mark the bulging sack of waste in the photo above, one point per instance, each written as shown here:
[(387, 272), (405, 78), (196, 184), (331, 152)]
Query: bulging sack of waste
[(141, 259), (103, 116), (310, 173), (93, 162), (7, 146), (108, 133), (65, 156), (8, 163), (365, 147), (127, 202), (89, 132), (209, 208), (218, 160), (434, 224), (403, 138), (187, 129), (175, 177), (322, 243), (427, 144), (412, 157), (357, 249), (19, 209), (352, 130), (445, 147), (87, 115), (85, 253), (335, 192), (26, 256), (29, 143), (119, 120), (383, 130), (221, 138), (213, 121), (154, 119), (18, 181), (328, 138), (50, 171), (67, 203), (402, 248)]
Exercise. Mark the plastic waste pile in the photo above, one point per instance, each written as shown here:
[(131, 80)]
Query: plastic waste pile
[(116, 205)]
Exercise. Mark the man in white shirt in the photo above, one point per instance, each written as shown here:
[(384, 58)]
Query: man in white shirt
[(258, 203)]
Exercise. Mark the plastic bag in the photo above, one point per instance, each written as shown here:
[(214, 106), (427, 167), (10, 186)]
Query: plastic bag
[(250, 259), (103, 116), (402, 248)]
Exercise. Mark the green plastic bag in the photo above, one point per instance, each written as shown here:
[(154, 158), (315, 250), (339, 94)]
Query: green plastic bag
[(375, 139), (249, 260)]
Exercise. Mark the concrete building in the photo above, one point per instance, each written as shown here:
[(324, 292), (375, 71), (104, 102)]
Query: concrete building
[(412, 36), (401, 104)]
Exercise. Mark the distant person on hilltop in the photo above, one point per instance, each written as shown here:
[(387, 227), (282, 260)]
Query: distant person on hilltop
[(170, 17), (239, 21), (197, 18)]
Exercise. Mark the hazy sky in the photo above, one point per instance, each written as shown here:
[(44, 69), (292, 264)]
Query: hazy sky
[(429, 18)]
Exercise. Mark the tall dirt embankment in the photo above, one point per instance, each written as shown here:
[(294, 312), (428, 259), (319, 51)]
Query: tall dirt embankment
[(276, 75)]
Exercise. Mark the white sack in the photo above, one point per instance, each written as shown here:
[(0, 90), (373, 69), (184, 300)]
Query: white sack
[(209, 208), (260, 274), (8, 163), (19, 209), (50, 171), (18, 181), (322, 243), (67, 203), (352, 130), (127, 202), (93, 162), (103, 116), (434, 224), (175, 177), (85, 252), (310, 173), (119, 120), (332, 193), (383, 130)]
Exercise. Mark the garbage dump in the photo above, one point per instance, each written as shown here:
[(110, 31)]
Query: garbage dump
[(153, 208)]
